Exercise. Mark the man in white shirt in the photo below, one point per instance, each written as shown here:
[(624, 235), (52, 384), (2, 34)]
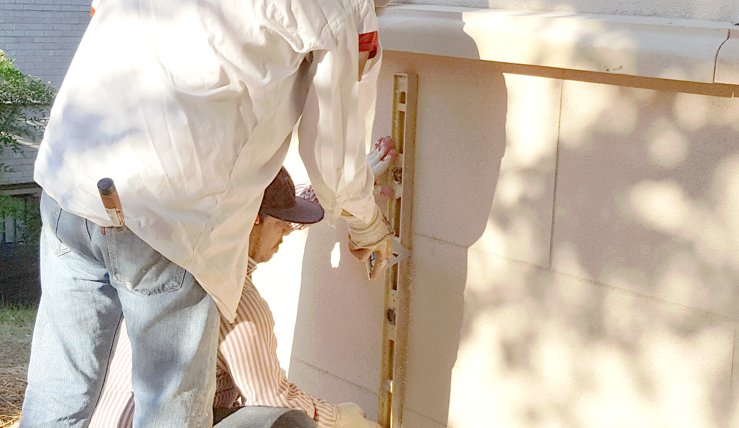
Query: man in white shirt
[(188, 106)]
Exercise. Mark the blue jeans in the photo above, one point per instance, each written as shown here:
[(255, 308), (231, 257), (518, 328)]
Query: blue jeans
[(90, 278), (266, 417)]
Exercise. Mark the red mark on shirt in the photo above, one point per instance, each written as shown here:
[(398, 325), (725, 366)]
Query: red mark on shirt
[(369, 42)]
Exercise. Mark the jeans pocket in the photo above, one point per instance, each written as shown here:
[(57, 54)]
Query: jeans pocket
[(51, 214), (134, 264)]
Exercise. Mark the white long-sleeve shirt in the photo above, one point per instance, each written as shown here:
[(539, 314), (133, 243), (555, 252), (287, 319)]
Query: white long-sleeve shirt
[(248, 372), (189, 106)]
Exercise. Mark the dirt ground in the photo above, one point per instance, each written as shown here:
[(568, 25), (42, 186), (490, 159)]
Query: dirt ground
[(16, 326)]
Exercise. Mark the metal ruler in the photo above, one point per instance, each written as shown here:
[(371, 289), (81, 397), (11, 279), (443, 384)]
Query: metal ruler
[(397, 278)]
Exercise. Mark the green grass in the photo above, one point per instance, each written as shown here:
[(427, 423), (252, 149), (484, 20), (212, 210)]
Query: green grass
[(17, 316)]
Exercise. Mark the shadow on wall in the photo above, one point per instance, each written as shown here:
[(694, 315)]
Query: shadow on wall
[(658, 218), (587, 278), (629, 317), (632, 323)]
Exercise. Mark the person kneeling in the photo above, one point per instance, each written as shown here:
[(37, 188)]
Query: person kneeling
[(252, 390)]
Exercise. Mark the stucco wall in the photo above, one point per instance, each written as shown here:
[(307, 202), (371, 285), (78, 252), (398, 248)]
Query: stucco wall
[(711, 10), (573, 257), (42, 36)]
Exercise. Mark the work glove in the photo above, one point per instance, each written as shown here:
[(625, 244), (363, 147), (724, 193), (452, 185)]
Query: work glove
[(381, 155), (368, 238), (350, 415), (373, 237)]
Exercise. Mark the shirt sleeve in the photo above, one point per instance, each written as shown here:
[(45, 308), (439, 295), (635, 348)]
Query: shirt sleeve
[(334, 131), (249, 348)]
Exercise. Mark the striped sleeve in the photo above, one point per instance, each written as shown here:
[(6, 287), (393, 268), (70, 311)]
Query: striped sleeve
[(115, 408), (249, 347)]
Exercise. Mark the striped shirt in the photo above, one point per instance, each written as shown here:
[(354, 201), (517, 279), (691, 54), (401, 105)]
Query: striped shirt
[(248, 371)]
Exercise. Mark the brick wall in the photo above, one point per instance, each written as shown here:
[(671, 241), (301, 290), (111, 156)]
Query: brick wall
[(42, 35)]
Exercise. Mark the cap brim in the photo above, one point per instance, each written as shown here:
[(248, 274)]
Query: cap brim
[(304, 212)]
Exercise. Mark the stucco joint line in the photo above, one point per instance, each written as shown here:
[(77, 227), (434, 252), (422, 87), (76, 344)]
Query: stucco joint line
[(325, 372), (633, 293), (556, 174), (733, 354)]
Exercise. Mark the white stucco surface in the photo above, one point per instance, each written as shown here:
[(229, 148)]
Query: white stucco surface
[(662, 174), (573, 257), (543, 349), (676, 49), (713, 10)]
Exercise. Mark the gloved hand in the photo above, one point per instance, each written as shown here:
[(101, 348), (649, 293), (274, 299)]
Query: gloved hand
[(368, 238), (381, 155), (350, 415)]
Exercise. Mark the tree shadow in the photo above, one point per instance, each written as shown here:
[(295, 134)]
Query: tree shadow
[(587, 286), (453, 209)]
